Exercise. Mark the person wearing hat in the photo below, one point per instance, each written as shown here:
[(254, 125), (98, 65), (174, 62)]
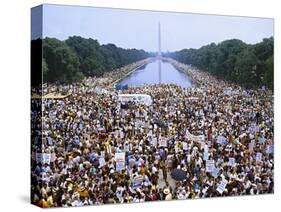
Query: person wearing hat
[(168, 195)]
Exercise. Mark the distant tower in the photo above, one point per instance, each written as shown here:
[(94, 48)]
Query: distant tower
[(159, 53), (159, 39)]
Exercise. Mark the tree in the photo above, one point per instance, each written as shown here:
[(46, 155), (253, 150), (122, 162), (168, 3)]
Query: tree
[(62, 62), (269, 73), (246, 67), (234, 61), (96, 59)]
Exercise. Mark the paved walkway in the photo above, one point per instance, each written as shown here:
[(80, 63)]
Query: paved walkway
[(161, 181)]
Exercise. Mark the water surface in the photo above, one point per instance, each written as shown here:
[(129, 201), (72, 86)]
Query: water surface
[(149, 74)]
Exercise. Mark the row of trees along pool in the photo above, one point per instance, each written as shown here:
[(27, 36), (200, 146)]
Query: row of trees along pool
[(70, 60), (249, 65)]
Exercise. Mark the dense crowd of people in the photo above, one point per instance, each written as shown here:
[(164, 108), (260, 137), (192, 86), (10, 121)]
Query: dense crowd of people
[(221, 135)]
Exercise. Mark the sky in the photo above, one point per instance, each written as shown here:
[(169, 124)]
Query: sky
[(139, 29)]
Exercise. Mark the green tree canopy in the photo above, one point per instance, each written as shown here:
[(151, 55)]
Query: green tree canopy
[(70, 60), (234, 60), (61, 60)]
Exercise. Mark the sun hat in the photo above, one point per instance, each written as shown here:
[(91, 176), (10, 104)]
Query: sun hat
[(166, 191)]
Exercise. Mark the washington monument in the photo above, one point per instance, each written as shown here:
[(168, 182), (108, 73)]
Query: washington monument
[(159, 52)]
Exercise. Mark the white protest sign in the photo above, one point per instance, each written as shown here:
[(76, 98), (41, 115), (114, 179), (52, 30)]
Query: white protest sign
[(231, 162), (120, 161), (210, 165), (215, 172), (136, 98), (126, 147), (206, 148), (154, 141), (137, 181), (270, 149), (184, 146), (258, 157), (45, 178), (261, 140), (221, 186), (205, 156), (163, 141), (199, 138), (101, 161), (227, 91), (46, 158), (221, 140)]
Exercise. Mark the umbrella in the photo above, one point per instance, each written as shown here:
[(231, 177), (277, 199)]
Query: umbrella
[(178, 174)]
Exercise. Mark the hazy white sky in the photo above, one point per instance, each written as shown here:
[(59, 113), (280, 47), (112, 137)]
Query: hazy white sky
[(139, 29)]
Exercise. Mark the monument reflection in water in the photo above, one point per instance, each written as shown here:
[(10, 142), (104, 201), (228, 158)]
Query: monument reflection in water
[(149, 74)]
